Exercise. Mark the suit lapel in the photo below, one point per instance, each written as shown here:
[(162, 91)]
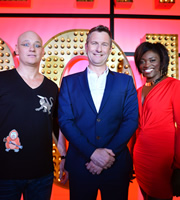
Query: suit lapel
[(85, 90), (108, 89)]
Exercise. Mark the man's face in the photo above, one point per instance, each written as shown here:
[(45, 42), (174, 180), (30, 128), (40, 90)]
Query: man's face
[(30, 49), (98, 48)]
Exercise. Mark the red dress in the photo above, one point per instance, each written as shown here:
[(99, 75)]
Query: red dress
[(155, 148)]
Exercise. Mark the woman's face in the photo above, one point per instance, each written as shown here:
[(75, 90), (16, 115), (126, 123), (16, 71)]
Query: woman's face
[(150, 65)]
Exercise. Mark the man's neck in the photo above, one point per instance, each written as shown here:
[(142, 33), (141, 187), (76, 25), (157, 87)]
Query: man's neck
[(98, 69), (29, 72), (31, 76)]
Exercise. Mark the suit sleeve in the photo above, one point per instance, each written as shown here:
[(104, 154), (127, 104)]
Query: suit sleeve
[(129, 122), (67, 123)]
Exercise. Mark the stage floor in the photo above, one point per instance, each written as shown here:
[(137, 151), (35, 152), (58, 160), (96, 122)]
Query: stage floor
[(134, 193)]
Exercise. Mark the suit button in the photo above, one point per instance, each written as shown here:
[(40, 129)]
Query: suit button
[(98, 137), (98, 120)]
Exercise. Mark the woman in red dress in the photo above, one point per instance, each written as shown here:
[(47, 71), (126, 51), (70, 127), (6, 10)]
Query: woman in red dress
[(155, 152)]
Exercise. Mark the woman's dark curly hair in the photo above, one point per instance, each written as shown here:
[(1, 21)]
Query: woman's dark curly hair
[(156, 48)]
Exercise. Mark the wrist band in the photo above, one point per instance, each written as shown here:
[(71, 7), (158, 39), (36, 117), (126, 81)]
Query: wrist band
[(63, 157)]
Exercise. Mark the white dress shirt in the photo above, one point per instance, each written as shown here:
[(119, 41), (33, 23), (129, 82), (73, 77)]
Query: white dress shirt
[(97, 86)]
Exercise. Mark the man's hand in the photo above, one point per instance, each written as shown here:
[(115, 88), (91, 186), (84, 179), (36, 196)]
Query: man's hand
[(64, 176), (103, 158), (94, 169)]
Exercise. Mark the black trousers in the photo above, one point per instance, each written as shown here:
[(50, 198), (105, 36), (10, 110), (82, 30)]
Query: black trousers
[(85, 187)]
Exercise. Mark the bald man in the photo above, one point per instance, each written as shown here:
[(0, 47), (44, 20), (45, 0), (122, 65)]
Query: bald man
[(28, 108)]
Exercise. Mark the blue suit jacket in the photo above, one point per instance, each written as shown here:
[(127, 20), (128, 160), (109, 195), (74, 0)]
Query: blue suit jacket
[(87, 130)]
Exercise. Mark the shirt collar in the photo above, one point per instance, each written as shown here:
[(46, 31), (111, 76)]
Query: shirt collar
[(92, 72)]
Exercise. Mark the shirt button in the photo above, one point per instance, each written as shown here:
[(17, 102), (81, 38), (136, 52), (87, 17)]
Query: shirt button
[(98, 120), (98, 137)]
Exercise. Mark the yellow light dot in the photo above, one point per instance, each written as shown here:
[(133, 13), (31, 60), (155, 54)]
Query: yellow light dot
[(7, 61), (113, 59), (56, 46), (55, 78), (119, 53), (6, 67), (120, 59), (113, 66), (49, 46), (113, 52), (126, 66), (49, 71), (75, 39), (7, 54), (62, 39), (120, 66)]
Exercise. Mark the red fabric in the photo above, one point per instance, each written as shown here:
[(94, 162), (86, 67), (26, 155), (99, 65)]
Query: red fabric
[(155, 138)]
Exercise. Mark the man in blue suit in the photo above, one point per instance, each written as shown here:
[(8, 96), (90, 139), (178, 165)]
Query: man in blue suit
[(98, 113)]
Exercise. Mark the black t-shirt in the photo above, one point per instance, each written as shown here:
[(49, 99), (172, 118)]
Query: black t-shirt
[(25, 127)]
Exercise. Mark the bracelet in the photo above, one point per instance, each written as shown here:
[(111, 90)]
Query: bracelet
[(63, 157)]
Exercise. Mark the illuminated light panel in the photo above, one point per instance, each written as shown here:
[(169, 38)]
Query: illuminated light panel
[(164, 4), (56, 163), (171, 43), (84, 3), (15, 3), (123, 3), (124, 0), (6, 58), (166, 1)]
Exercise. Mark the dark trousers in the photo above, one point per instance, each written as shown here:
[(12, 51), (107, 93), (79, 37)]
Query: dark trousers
[(85, 187), (33, 189)]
